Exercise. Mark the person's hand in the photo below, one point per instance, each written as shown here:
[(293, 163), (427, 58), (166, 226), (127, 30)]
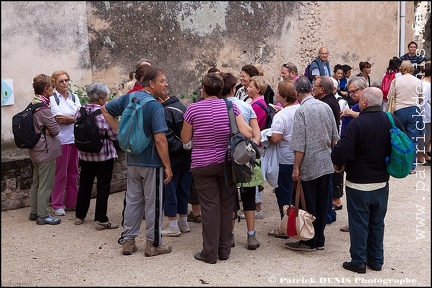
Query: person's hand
[(64, 119), (296, 174), (168, 175), (338, 169), (347, 112)]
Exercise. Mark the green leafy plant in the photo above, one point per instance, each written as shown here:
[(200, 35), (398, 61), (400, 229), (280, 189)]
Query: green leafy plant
[(80, 91), (193, 96)]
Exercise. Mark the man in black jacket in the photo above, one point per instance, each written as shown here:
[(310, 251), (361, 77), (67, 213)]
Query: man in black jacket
[(362, 150), (177, 191)]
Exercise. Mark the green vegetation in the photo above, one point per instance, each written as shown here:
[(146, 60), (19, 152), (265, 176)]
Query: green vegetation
[(80, 91), (193, 96)]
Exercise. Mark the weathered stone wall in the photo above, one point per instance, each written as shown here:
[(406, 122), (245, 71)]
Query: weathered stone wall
[(102, 40), (17, 177)]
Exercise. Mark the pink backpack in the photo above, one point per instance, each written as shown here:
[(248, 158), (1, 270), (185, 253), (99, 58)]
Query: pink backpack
[(386, 82)]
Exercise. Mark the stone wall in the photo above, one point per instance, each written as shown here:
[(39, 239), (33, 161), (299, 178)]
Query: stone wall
[(17, 173), (102, 40)]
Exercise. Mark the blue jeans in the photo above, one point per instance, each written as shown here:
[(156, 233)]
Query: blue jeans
[(412, 121), (177, 193), (284, 189), (366, 212)]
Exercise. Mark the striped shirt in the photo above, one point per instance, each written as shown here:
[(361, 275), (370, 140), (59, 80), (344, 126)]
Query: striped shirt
[(210, 124), (108, 150)]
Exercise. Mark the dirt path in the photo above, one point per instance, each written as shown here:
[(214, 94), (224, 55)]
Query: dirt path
[(70, 255)]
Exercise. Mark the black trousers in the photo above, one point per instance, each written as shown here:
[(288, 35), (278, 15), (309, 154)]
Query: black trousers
[(103, 172)]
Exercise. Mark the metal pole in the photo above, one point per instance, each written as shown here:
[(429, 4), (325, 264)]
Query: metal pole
[(402, 29)]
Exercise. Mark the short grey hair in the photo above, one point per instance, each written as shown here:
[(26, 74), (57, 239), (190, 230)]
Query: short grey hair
[(96, 90), (327, 84), (303, 85), (358, 82), (373, 95)]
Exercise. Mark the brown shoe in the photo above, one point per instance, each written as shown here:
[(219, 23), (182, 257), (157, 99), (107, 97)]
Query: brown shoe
[(345, 228), (151, 250), (129, 247)]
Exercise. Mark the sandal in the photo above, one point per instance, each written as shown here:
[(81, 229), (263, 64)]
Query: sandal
[(277, 234), (107, 225), (193, 218)]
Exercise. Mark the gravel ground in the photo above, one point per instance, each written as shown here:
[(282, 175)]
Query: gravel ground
[(70, 255)]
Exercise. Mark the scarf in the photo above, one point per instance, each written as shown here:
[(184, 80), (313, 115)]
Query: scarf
[(41, 99)]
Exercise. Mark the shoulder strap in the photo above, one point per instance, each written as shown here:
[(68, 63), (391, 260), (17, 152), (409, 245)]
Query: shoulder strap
[(233, 123), (264, 107), (34, 107), (96, 112), (390, 116), (175, 108), (58, 100)]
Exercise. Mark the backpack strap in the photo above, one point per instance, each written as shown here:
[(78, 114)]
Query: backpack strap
[(175, 109), (264, 107), (233, 130), (58, 100), (390, 116)]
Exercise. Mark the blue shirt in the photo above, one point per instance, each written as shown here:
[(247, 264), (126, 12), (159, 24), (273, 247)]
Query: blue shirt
[(347, 119), (154, 122)]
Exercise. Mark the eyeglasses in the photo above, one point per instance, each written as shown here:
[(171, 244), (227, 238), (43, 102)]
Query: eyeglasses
[(64, 80), (353, 91), (286, 66)]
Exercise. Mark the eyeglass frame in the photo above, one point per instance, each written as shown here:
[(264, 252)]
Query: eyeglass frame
[(353, 91), (64, 80)]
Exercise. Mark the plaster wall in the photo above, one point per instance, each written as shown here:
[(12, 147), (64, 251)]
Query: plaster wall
[(102, 40)]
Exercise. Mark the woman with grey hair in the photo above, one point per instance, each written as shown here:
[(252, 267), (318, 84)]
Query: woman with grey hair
[(99, 164)]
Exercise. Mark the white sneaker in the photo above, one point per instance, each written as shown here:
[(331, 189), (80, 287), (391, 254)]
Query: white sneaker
[(171, 232), (60, 212), (258, 215), (184, 227)]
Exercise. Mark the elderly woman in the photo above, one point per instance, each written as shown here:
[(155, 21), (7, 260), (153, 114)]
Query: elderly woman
[(64, 105), (406, 91), (99, 164), (207, 122)]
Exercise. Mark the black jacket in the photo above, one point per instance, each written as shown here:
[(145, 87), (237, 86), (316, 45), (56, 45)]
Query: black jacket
[(364, 147), (180, 158)]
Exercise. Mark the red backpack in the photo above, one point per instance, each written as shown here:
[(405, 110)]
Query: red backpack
[(386, 82)]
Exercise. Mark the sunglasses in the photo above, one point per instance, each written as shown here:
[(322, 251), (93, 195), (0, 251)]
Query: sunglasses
[(64, 80), (286, 66)]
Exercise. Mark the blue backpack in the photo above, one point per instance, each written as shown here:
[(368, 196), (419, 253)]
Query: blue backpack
[(402, 152), (131, 134)]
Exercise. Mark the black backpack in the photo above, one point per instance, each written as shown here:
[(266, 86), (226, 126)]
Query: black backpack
[(86, 132), (269, 113), (23, 128)]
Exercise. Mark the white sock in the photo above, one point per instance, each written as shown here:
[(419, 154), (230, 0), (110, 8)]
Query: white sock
[(250, 233), (173, 223), (183, 219)]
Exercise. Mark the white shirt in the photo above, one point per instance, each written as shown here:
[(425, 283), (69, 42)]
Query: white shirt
[(283, 124), (65, 107)]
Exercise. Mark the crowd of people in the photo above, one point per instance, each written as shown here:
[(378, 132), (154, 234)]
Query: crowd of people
[(326, 123)]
